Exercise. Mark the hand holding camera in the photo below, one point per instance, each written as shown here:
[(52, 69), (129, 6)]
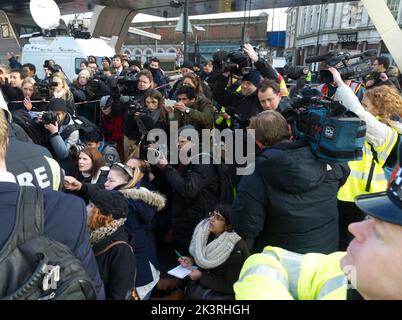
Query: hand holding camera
[(249, 50), (180, 106)]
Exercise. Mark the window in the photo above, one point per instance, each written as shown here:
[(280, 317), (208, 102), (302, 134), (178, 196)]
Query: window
[(393, 6), (5, 31), (138, 54)]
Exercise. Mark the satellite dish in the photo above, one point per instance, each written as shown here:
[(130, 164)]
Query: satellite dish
[(46, 13)]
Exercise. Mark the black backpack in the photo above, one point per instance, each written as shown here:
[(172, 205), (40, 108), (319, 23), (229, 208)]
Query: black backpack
[(82, 124), (35, 267)]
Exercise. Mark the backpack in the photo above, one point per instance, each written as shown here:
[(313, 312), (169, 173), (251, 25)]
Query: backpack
[(82, 124), (335, 135), (34, 267)]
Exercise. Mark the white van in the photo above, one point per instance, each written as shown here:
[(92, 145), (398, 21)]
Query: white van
[(65, 51)]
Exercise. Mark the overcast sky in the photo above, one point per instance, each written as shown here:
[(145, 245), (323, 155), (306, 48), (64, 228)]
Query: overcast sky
[(279, 15)]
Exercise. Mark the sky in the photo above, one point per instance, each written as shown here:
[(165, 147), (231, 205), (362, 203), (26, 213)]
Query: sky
[(279, 15)]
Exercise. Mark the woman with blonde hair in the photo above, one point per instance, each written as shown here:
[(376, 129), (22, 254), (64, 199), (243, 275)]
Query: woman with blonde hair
[(143, 205), (381, 110), (61, 90)]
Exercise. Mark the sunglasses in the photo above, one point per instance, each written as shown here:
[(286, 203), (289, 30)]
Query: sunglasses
[(125, 168)]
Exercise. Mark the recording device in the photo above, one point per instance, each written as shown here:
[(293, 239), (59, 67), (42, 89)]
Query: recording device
[(295, 72), (236, 62), (170, 103), (374, 76), (127, 84), (45, 89), (348, 71), (133, 105), (49, 117), (76, 149)]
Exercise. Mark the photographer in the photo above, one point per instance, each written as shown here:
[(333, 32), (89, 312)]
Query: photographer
[(86, 89), (55, 121), (131, 133), (193, 110), (244, 104), (380, 74)]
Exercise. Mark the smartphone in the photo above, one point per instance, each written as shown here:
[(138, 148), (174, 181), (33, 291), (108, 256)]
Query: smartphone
[(170, 103)]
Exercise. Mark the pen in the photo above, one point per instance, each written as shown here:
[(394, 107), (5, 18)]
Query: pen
[(180, 256)]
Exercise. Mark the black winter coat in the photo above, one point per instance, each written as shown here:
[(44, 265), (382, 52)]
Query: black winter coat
[(244, 106), (222, 278), (290, 201), (116, 265)]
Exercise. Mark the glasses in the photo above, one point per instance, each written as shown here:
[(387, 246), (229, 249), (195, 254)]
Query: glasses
[(125, 168), (216, 216)]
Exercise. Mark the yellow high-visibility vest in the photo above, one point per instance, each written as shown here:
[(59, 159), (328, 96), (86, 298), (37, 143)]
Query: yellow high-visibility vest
[(278, 274), (357, 182)]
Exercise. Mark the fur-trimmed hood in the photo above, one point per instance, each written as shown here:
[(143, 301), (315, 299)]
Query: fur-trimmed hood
[(151, 198)]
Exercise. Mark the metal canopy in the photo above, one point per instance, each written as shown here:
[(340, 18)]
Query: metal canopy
[(158, 7)]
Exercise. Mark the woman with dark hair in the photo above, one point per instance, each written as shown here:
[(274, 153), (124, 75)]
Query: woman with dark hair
[(143, 205), (92, 174), (219, 252), (107, 213), (192, 80)]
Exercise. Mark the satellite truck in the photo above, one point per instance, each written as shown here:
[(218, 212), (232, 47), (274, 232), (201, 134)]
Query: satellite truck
[(66, 51)]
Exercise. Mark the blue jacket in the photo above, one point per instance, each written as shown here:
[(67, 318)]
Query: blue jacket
[(65, 222)]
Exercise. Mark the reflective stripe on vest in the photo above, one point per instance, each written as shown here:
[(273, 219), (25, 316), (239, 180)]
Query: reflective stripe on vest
[(332, 285), (55, 168), (266, 271), (292, 263)]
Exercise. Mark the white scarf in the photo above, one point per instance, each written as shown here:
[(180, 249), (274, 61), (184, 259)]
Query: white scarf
[(215, 253)]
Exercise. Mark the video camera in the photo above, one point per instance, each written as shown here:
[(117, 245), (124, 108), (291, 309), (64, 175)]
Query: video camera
[(134, 105), (295, 72), (127, 84), (236, 62), (76, 149), (45, 89), (349, 71)]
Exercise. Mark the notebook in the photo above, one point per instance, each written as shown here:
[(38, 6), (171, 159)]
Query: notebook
[(181, 272)]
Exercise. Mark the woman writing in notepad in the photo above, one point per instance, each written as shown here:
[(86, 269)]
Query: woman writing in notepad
[(219, 252)]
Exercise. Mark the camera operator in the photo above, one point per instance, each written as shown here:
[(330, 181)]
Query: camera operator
[(209, 74), (56, 120), (245, 104), (131, 134), (10, 84), (85, 88), (190, 109)]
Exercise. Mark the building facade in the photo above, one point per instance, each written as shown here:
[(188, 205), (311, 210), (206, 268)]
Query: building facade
[(220, 34), (314, 30)]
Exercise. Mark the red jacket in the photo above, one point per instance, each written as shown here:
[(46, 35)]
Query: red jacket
[(113, 127)]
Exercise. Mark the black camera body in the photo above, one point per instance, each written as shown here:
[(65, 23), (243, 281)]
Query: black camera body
[(45, 89), (49, 117), (235, 62), (134, 105), (76, 149), (127, 84), (295, 72), (349, 70)]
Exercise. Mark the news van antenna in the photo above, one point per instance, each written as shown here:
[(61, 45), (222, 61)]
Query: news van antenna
[(46, 14)]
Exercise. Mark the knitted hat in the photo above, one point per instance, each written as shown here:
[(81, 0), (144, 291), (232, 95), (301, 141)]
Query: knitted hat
[(105, 101), (111, 202), (254, 77), (188, 65), (84, 73), (57, 104)]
